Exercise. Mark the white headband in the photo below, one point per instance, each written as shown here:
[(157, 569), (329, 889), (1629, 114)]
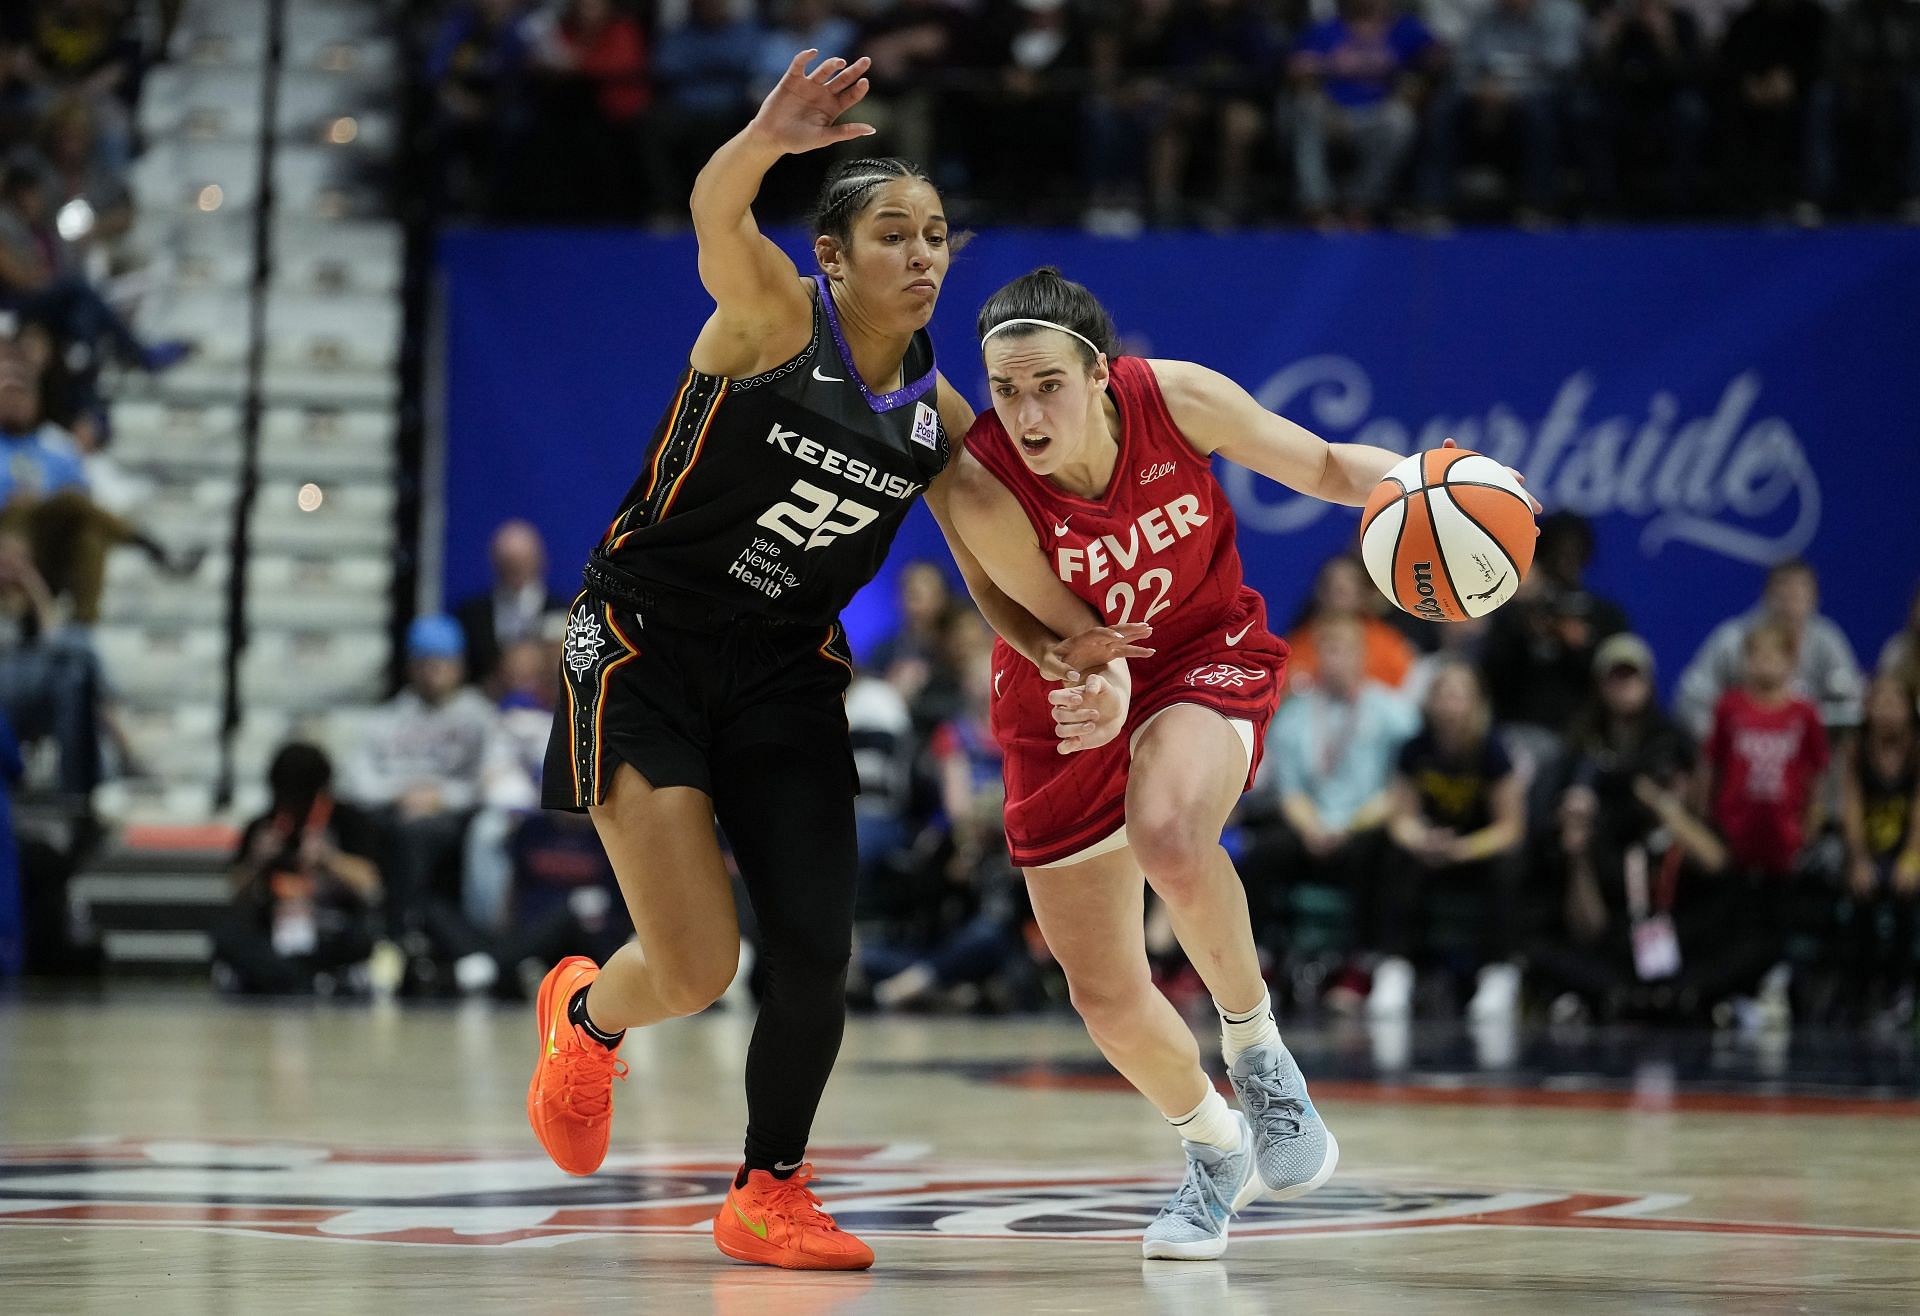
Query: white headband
[(1043, 324)]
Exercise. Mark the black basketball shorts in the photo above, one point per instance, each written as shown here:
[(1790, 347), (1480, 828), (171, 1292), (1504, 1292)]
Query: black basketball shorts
[(679, 700)]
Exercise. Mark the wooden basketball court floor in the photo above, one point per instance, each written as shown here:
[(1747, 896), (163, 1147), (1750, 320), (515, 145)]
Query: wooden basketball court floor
[(164, 1152)]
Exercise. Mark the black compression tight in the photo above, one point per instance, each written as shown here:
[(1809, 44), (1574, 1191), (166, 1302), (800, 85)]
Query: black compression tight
[(789, 819)]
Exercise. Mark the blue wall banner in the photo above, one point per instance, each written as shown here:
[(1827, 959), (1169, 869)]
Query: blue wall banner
[(1716, 400)]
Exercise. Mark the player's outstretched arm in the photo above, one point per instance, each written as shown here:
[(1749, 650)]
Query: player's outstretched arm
[(994, 531), (753, 283), (1087, 647), (1217, 415)]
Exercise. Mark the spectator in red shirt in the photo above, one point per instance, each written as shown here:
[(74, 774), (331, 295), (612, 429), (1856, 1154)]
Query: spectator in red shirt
[(607, 49), (594, 97), (1765, 757), (1760, 772)]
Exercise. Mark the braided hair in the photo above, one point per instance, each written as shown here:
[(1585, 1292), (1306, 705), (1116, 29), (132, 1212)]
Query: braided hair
[(850, 188)]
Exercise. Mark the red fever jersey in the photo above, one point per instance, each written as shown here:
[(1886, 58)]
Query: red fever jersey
[(1157, 547)]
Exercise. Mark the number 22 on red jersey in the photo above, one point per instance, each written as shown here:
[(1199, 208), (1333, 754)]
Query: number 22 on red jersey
[(1119, 568)]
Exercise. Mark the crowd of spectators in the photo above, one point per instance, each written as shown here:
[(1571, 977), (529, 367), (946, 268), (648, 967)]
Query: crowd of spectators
[(1477, 818), (1521, 813), (1221, 112), (70, 76), (421, 862)]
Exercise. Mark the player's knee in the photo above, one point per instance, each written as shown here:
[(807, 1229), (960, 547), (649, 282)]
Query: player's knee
[(813, 973), (1106, 1002), (1175, 853), (695, 986)]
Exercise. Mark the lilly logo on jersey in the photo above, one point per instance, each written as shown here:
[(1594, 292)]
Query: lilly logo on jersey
[(1148, 474), (1155, 530), (834, 462)]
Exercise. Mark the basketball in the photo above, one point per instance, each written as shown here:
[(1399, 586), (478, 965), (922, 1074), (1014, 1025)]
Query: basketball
[(1448, 534)]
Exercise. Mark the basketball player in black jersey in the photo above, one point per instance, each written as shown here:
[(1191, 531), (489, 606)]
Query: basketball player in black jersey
[(705, 663)]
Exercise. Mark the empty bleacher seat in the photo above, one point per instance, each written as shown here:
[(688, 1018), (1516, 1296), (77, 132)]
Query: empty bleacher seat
[(180, 742), (336, 348), (162, 665), (155, 801), (214, 319), (137, 591), (189, 508), (313, 443), (337, 256), (319, 590), (202, 102), (313, 670), (337, 516), (369, 60), (315, 180), (208, 176), (149, 432)]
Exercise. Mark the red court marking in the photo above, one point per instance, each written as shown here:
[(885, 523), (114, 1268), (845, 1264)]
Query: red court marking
[(1570, 1214)]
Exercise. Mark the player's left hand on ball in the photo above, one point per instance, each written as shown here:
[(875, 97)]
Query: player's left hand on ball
[(1538, 508), (1088, 716), (1094, 648)]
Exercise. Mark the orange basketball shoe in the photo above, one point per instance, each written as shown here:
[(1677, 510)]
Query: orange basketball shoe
[(570, 1101), (778, 1222)]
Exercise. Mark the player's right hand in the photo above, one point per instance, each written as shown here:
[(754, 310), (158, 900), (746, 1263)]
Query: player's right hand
[(1071, 659), (798, 114), (1089, 715)]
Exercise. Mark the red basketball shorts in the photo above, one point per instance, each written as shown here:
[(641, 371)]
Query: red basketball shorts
[(1067, 807)]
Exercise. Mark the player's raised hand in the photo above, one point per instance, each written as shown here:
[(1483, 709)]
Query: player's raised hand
[(1070, 659), (1090, 715), (798, 114)]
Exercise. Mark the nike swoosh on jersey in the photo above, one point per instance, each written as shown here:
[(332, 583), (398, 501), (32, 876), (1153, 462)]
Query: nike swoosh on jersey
[(1060, 528), (827, 379), (1236, 638), (997, 676)]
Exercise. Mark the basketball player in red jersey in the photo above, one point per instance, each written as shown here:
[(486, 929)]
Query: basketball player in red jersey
[(1093, 469)]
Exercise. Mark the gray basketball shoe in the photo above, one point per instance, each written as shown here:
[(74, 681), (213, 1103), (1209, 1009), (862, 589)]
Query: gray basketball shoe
[(1193, 1225), (1294, 1151)]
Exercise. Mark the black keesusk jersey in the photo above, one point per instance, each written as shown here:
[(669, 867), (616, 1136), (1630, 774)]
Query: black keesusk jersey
[(780, 494)]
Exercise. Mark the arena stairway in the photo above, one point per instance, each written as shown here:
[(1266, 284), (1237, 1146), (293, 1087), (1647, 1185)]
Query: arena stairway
[(320, 548)]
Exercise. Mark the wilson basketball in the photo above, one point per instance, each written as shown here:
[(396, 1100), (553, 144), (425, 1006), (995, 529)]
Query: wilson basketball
[(1448, 534)]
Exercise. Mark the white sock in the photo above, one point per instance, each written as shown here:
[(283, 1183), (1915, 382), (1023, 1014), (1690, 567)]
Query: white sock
[(1211, 1122), (1241, 1032)]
